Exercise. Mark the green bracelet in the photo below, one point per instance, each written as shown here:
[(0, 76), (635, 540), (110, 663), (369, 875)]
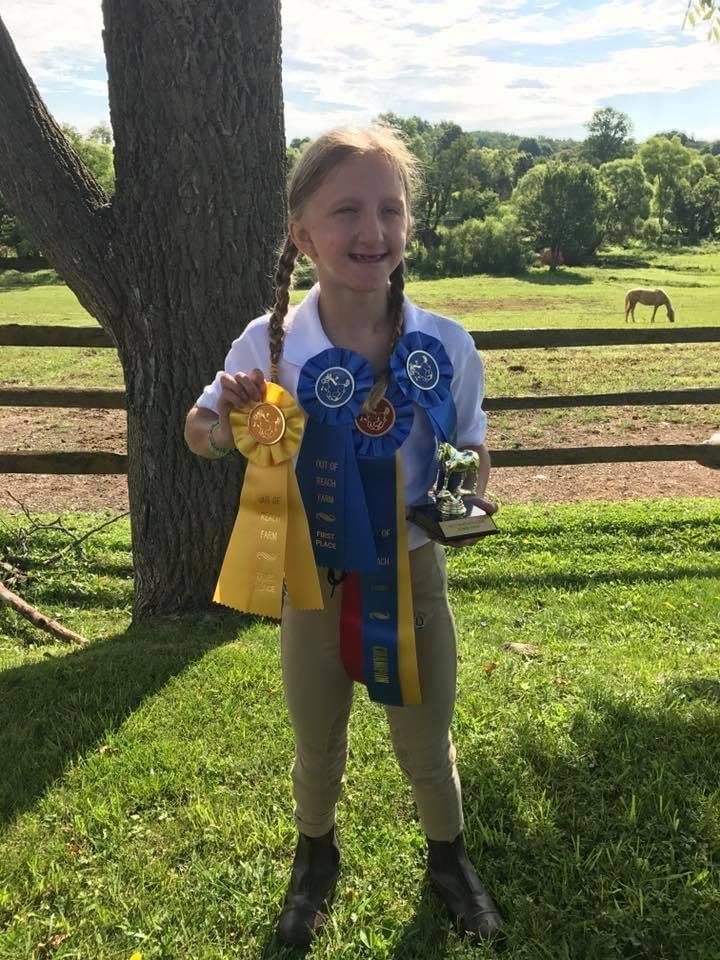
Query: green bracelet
[(220, 451)]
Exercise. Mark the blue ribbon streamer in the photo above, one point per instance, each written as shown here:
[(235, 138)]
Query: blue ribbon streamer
[(419, 355), (327, 468), (379, 587)]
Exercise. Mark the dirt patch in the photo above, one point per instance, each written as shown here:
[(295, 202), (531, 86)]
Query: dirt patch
[(603, 481), (543, 304), (49, 429), (32, 429), (599, 481)]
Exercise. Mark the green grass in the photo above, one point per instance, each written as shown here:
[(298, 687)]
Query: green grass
[(145, 797)]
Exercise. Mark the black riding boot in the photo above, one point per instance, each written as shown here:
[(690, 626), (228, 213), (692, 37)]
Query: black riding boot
[(312, 886), (456, 882)]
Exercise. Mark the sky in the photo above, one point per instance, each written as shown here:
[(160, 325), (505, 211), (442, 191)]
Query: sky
[(521, 67)]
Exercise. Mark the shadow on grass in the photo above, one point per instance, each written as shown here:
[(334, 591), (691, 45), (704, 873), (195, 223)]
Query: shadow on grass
[(7, 286), (622, 261), (561, 278), (272, 949), (570, 828), (592, 525), (52, 711), (423, 938), (701, 688), (471, 581)]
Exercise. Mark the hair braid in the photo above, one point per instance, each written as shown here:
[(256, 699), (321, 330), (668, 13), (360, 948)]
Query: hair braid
[(396, 298), (283, 282)]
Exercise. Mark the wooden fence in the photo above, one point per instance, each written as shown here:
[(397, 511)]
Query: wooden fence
[(97, 462)]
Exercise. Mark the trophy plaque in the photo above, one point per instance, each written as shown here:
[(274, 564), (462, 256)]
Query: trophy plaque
[(447, 518)]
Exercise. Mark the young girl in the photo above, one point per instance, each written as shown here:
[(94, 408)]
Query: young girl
[(349, 199)]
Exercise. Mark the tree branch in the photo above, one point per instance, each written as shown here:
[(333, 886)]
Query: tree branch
[(36, 618), (53, 194), (78, 540)]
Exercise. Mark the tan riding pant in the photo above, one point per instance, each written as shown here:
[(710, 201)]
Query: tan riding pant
[(319, 694)]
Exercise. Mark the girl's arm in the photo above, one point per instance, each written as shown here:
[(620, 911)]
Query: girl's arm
[(236, 391), (197, 428)]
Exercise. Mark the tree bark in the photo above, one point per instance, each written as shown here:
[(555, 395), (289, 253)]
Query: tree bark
[(196, 108)]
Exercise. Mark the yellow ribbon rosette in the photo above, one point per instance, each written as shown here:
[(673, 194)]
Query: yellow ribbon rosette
[(271, 537)]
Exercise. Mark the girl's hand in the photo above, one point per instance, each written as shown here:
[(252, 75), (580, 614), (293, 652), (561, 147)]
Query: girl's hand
[(487, 505), (238, 390)]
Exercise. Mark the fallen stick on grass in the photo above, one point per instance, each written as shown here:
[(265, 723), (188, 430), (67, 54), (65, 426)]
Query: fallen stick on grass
[(36, 618), (14, 572), (78, 540)]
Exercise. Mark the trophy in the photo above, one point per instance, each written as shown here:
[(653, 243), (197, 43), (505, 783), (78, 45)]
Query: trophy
[(447, 518)]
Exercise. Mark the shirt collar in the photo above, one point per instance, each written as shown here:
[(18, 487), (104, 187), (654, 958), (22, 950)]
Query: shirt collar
[(305, 337), (415, 318), (304, 334)]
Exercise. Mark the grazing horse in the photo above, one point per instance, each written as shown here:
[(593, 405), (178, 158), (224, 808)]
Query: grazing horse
[(650, 298)]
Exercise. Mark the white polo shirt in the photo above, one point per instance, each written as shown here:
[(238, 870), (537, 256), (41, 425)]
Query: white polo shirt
[(305, 337)]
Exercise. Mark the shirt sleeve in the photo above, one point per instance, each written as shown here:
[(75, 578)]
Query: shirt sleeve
[(468, 389), (245, 354)]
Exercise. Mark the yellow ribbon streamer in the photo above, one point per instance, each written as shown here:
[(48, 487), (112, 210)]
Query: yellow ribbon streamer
[(407, 654), (271, 535)]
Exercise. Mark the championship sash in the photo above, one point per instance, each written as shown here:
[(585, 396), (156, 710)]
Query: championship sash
[(424, 372), (377, 629), (332, 388), (270, 536)]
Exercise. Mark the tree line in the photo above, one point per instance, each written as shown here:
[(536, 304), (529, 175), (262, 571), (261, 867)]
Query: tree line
[(490, 201)]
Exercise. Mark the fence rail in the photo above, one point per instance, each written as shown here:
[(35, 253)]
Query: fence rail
[(98, 462), (26, 335), (87, 462), (114, 399)]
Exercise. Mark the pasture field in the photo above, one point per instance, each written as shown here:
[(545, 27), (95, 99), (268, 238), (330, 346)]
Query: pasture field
[(145, 798)]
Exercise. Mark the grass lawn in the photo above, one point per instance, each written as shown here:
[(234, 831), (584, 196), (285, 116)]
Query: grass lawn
[(145, 799)]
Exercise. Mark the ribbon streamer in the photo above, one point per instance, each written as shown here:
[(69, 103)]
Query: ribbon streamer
[(377, 627), (332, 388), (270, 536)]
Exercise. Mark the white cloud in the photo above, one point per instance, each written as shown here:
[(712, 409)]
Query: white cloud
[(344, 57), (346, 62), (56, 40)]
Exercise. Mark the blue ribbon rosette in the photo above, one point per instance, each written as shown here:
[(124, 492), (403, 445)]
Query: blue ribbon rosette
[(424, 372), (332, 388)]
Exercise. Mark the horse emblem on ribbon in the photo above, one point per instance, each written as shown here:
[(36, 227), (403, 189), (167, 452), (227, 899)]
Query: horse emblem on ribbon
[(334, 387), (266, 424), (377, 422), (422, 370)]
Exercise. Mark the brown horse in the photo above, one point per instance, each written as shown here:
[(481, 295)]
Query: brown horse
[(650, 298)]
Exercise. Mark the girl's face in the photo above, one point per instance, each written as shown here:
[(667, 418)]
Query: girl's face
[(355, 226)]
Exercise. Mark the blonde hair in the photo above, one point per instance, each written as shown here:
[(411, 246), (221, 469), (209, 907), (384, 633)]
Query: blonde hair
[(322, 156)]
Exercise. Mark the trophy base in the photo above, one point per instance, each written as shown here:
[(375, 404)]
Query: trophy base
[(475, 523)]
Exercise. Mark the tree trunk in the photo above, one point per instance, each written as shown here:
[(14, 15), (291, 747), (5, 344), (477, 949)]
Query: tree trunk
[(180, 261)]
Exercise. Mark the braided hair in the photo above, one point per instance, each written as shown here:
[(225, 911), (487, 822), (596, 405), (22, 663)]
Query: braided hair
[(283, 282), (396, 299)]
